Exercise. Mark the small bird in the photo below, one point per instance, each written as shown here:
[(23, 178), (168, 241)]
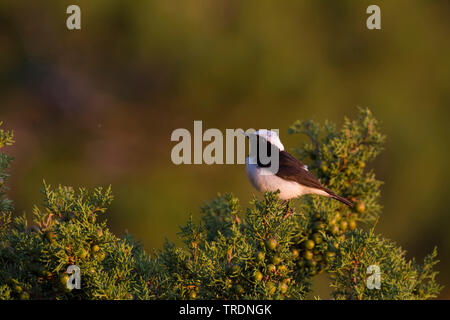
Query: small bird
[(293, 179)]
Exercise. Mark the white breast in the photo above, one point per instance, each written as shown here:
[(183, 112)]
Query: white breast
[(263, 180)]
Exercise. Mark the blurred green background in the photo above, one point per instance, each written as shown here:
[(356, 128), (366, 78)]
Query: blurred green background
[(98, 106)]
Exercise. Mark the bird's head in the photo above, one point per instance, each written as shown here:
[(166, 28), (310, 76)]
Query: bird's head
[(270, 135)]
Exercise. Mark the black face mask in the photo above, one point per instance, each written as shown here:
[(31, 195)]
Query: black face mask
[(263, 156)]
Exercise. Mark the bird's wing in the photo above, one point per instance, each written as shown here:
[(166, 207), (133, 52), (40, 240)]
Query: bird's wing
[(290, 168)]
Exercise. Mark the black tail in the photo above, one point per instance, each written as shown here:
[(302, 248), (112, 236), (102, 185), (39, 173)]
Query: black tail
[(339, 198)]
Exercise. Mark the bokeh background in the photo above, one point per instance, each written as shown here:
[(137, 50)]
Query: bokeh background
[(97, 106)]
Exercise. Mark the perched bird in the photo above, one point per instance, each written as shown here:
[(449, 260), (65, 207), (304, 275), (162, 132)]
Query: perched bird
[(292, 179)]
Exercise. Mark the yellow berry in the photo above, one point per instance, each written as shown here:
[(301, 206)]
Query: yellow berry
[(308, 255), (360, 207), (282, 287), (271, 268), (282, 268), (261, 256), (271, 244), (309, 244), (258, 276)]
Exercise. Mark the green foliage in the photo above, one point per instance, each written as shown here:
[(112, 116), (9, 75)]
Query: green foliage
[(6, 139), (270, 250), (339, 158), (401, 279), (68, 231), (225, 257)]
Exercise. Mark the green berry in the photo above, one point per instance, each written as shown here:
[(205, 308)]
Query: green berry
[(258, 276), (295, 253), (352, 225), (95, 248), (343, 225), (260, 256), (271, 244), (309, 244), (276, 260)]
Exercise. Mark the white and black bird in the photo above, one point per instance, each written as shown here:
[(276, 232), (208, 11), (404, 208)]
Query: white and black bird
[(292, 179)]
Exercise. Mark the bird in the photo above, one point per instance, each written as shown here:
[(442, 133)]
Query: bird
[(292, 179)]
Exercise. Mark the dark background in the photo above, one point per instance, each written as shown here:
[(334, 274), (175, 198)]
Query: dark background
[(97, 106)]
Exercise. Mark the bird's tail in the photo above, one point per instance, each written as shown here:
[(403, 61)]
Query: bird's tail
[(343, 200), (339, 198)]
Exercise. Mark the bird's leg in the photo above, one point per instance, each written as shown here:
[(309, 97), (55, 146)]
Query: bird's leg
[(288, 210)]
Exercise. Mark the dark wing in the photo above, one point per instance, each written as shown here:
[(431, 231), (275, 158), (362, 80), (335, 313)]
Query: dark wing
[(290, 168)]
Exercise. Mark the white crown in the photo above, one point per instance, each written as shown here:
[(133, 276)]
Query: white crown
[(271, 136)]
